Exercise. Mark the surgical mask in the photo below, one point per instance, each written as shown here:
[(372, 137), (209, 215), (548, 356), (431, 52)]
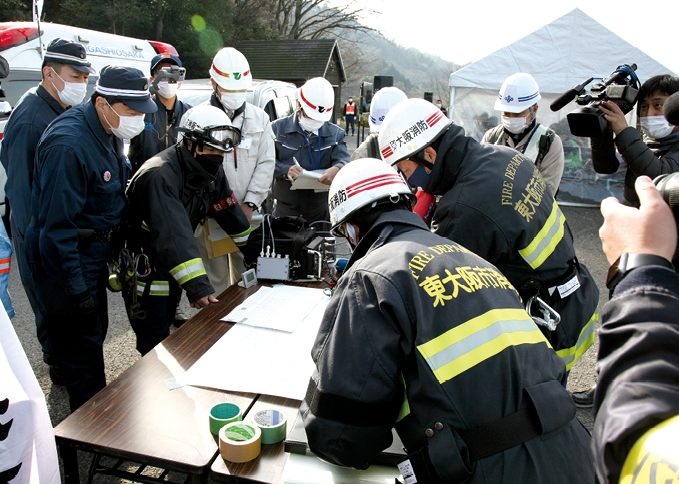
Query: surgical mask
[(514, 125), (310, 125), (232, 100), (129, 127), (167, 90), (438, 105), (656, 127), (73, 92)]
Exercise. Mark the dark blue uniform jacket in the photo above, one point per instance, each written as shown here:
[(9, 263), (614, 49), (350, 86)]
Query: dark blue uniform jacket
[(79, 183), (31, 116)]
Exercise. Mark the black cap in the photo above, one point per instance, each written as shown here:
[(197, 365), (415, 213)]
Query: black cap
[(128, 85), (64, 51), (165, 57)]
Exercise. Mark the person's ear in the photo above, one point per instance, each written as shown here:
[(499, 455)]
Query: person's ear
[(430, 154)]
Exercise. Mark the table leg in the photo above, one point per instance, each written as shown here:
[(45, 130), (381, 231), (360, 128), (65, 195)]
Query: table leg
[(69, 456)]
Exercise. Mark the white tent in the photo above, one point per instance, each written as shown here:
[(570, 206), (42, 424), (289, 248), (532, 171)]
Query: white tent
[(559, 55)]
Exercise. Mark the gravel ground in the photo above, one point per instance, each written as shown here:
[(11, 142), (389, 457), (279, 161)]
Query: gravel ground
[(120, 352)]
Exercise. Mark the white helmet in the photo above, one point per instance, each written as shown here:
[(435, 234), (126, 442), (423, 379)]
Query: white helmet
[(518, 93), (385, 99), (209, 126), (317, 98), (230, 70), (360, 183), (410, 127)]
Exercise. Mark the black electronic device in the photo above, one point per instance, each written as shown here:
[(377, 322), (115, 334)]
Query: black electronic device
[(172, 74), (621, 87), (382, 81), (285, 249), (367, 91), (429, 96)]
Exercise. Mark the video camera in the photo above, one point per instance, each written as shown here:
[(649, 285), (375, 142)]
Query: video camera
[(621, 87), (172, 74), (668, 186)]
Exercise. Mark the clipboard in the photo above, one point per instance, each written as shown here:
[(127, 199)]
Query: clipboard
[(308, 180), (217, 241)]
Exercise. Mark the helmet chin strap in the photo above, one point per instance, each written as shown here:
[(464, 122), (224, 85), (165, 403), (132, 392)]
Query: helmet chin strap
[(421, 161)]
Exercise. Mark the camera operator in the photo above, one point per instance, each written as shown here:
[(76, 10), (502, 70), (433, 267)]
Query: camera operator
[(636, 405), (654, 153)]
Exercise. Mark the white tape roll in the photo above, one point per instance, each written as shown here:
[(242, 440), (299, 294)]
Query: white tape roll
[(240, 442)]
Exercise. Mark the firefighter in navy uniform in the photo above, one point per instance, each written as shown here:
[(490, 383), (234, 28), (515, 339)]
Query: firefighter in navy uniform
[(160, 128), (169, 196), (495, 203), (65, 71), (636, 404), (78, 199), (424, 336)]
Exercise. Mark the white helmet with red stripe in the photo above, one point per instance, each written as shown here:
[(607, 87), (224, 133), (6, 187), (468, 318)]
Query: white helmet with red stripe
[(317, 99), (410, 127), (230, 69), (362, 183)]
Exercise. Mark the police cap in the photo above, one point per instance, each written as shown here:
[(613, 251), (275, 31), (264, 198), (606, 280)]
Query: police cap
[(73, 54), (128, 85)]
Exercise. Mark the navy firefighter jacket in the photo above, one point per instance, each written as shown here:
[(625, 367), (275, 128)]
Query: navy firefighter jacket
[(79, 183)]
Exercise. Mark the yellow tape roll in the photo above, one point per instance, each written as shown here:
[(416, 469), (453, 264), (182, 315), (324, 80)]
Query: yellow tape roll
[(240, 442)]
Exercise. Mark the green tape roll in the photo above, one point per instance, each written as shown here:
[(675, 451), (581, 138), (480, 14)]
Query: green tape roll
[(273, 425), (222, 414)]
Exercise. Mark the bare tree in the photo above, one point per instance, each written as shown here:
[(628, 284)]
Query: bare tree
[(307, 19)]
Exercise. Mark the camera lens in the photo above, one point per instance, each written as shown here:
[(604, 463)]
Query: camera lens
[(668, 186)]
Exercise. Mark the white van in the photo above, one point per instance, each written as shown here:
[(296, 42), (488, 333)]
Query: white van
[(23, 47)]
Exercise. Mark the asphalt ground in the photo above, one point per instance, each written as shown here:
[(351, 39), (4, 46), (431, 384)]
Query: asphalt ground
[(120, 352)]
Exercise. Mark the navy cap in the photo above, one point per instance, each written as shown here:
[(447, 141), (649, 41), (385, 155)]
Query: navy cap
[(166, 57), (128, 85), (70, 53)]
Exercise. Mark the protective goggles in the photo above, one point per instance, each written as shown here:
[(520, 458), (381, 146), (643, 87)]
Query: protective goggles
[(223, 138)]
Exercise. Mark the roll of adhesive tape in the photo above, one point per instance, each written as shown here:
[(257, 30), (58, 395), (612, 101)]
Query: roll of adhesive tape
[(273, 425), (240, 442), (222, 414)]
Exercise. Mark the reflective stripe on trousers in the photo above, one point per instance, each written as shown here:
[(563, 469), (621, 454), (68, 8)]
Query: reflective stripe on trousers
[(585, 340), (546, 240), (465, 346), (158, 288)]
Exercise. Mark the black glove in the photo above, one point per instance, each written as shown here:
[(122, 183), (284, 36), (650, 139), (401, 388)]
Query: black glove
[(83, 304)]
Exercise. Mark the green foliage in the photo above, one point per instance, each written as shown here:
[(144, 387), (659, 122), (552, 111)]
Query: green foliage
[(14, 10)]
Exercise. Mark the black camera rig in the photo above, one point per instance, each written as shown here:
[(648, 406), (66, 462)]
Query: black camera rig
[(621, 87)]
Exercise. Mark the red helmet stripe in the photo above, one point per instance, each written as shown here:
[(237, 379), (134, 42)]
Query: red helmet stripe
[(373, 182), (434, 118), (220, 72), (301, 94), (387, 152)]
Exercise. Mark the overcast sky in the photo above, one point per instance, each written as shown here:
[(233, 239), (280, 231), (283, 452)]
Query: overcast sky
[(464, 31)]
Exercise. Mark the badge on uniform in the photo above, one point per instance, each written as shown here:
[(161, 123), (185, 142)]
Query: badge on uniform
[(245, 143), (106, 176)]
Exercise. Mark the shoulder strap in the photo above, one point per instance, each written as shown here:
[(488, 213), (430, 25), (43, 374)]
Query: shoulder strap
[(374, 148), (495, 135), (544, 145)]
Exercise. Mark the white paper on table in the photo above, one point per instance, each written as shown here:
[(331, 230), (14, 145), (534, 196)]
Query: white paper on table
[(281, 307), (260, 360), (308, 180)]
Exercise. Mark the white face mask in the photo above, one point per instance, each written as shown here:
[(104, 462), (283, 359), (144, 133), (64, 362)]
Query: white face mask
[(309, 124), (167, 90), (514, 125), (73, 92), (656, 127), (232, 100), (129, 127)]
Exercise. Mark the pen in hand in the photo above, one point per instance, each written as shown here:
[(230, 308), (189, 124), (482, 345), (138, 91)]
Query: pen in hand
[(296, 163)]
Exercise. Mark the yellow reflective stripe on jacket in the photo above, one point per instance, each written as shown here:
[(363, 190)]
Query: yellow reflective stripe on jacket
[(465, 346), (654, 458), (158, 288), (405, 406), (585, 340), (546, 240), (242, 238), (188, 270), (144, 226)]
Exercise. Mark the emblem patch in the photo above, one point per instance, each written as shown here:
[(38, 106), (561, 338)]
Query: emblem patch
[(106, 176), (237, 75)]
